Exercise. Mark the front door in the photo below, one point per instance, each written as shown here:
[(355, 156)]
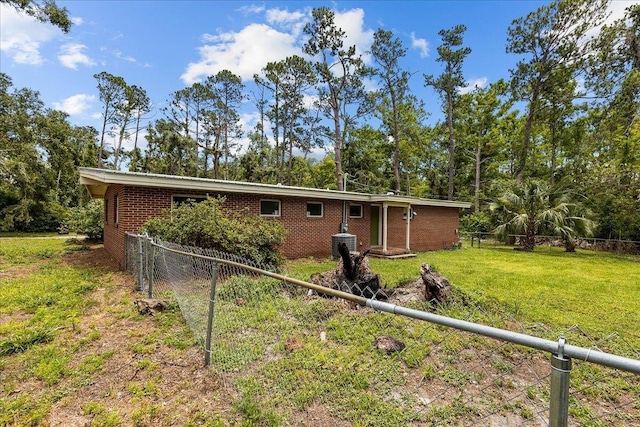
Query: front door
[(375, 225)]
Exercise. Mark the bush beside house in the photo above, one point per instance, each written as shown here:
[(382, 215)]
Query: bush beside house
[(208, 224)]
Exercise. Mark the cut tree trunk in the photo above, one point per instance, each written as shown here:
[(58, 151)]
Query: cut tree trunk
[(436, 287), (352, 274)]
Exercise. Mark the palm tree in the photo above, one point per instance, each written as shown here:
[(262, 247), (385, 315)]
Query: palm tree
[(534, 208), (573, 224)]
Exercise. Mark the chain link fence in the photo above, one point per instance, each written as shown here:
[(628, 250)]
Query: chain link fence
[(291, 353), (489, 240)]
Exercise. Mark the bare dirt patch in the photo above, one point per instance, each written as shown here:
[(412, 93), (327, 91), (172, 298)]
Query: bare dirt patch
[(13, 273), (127, 365)]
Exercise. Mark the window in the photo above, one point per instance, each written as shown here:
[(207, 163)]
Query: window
[(314, 209), (355, 211), (270, 207), (106, 211), (182, 199), (115, 209)]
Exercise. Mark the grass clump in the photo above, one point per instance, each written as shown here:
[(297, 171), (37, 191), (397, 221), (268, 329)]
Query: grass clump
[(23, 340)]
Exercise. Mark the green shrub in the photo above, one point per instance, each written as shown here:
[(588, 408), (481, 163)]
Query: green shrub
[(209, 224), (86, 220), (477, 222), (32, 216)]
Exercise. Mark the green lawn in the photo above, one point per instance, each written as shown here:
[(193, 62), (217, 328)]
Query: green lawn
[(20, 251), (280, 356), (597, 291)]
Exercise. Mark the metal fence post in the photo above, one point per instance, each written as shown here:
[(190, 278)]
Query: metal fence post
[(126, 251), (559, 399), (152, 264), (140, 265), (212, 298)]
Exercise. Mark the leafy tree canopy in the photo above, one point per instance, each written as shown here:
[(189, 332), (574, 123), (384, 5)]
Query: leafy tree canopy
[(44, 11)]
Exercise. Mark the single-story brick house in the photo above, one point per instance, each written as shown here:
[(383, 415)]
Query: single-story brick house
[(311, 216)]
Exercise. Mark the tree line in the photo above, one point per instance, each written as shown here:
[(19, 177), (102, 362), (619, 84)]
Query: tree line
[(567, 117)]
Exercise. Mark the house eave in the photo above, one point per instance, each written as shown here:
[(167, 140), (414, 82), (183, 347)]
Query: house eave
[(98, 180), (414, 201)]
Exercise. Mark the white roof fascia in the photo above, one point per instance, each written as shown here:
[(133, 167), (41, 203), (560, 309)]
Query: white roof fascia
[(404, 201), (97, 180), (90, 176)]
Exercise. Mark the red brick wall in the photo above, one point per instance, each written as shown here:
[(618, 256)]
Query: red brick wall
[(306, 236), (397, 228), (114, 233), (432, 228)]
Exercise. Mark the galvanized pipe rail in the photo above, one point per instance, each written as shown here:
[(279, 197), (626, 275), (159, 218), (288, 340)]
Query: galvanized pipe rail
[(561, 353), (553, 347)]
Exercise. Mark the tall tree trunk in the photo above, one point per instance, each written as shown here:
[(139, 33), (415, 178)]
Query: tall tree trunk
[(527, 132), (530, 236), (554, 150), (476, 196), (289, 180), (134, 160), (452, 146), (104, 128), (396, 140), (338, 145), (226, 150)]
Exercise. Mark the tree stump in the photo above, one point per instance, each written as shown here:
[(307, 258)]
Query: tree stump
[(151, 306), (353, 275), (436, 286), (389, 344)]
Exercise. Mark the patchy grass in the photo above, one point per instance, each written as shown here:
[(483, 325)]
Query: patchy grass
[(594, 290), (15, 251), (78, 353), (74, 351)]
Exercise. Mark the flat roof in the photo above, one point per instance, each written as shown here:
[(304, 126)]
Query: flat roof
[(98, 180)]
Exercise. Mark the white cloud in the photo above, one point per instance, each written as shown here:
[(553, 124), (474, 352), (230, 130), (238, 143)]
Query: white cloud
[(247, 51), (352, 23), (244, 53), (309, 100), (141, 143), (22, 36), (473, 85), (246, 10), (283, 17), (293, 22), (248, 122), (422, 45), (616, 10), (71, 56), (75, 104), (119, 55)]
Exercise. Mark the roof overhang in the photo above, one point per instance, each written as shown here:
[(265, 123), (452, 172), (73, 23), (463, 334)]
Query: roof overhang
[(98, 180)]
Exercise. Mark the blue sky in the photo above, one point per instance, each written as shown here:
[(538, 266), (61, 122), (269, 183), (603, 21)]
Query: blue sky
[(164, 46)]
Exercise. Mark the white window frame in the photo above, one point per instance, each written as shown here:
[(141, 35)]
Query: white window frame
[(361, 210), (278, 211), (321, 210)]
